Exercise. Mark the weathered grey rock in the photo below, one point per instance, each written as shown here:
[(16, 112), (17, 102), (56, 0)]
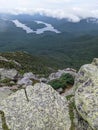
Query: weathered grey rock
[(15, 62), (8, 73), (24, 81), (4, 93), (95, 61), (58, 74), (15, 87), (3, 59), (30, 75), (40, 107), (80, 123), (68, 92), (44, 80), (60, 90), (86, 94)]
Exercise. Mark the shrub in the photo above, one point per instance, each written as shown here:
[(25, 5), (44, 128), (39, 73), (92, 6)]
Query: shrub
[(63, 82)]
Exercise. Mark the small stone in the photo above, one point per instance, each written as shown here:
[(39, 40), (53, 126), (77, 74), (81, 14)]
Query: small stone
[(25, 81)]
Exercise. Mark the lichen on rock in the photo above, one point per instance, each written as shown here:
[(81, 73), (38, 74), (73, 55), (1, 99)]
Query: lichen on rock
[(86, 94), (46, 109)]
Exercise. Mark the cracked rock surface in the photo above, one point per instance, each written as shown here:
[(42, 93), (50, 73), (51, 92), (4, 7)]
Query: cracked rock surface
[(45, 109), (86, 94)]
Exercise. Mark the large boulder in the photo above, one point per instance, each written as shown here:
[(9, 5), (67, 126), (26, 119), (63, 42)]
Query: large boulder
[(37, 107), (8, 73), (86, 93)]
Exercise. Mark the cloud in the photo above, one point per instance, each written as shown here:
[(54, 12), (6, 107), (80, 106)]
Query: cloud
[(74, 10)]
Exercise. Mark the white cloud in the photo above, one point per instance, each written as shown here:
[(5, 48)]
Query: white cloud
[(72, 9)]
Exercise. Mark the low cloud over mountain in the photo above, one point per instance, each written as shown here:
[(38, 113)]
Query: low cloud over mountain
[(74, 10)]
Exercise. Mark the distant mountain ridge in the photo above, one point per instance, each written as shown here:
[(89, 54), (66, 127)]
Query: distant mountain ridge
[(64, 25)]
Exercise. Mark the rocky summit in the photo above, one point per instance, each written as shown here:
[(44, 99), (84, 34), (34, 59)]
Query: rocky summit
[(26, 103)]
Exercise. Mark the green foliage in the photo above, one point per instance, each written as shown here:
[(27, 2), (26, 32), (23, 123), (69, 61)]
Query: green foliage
[(71, 113), (7, 82), (72, 107), (8, 65), (69, 97), (29, 63), (62, 82), (56, 83)]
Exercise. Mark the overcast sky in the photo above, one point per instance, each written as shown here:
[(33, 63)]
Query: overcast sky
[(73, 9)]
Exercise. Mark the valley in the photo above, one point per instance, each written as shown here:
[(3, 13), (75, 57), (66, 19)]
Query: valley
[(62, 42)]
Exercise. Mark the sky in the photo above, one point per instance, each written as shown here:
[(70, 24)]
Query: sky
[(72, 9)]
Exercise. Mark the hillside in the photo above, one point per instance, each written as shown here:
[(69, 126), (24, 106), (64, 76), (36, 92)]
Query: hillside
[(75, 45), (25, 62)]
